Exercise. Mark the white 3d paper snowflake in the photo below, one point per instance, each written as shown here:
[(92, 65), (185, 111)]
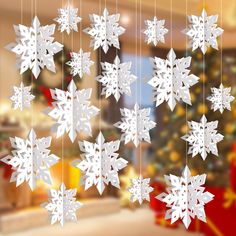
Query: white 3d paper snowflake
[(80, 63), (140, 189), (203, 137), (100, 163), (185, 197), (72, 111), (155, 31), (34, 47), (104, 30), (220, 98), (62, 205), (135, 125), (21, 97), (203, 31), (171, 79), (30, 160), (116, 78), (68, 19)]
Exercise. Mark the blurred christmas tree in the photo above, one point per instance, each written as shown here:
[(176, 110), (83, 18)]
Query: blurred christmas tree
[(169, 148)]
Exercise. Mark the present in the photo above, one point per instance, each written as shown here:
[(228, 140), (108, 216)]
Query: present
[(220, 213)]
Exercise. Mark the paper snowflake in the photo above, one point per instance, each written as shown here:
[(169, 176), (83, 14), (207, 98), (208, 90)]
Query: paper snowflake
[(171, 80), (21, 97), (140, 189), (135, 125), (104, 30), (155, 31), (185, 197), (203, 137), (30, 160), (68, 19), (80, 63), (203, 31), (100, 163), (34, 47), (220, 98), (62, 205), (116, 78), (72, 111)]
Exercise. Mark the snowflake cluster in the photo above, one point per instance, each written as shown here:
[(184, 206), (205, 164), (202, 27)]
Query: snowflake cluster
[(221, 98), (203, 137), (30, 160), (62, 205), (116, 78), (135, 125), (203, 31), (72, 111), (68, 19), (80, 63), (171, 79), (155, 31), (34, 47), (105, 30), (185, 197), (140, 189), (100, 163), (21, 97)]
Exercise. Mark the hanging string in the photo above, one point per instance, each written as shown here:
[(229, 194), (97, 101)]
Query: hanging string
[(140, 78), (21, 22), (221, 52), (62, 87), (203, 69), (80, 32), (155, 10), (171, 26), (186, 105)]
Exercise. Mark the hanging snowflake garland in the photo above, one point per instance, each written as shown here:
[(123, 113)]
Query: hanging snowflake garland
[(30, 160), (68, 19), (135, 125), (105, 30), (221, 98), (116, 78), (155, 31), (21, 97), (72, 111), (140, 189), (34, 47), (171, 80), (100, 163), (185, 197), (203, 31), (203, 137), (62, 205), (80, 63)]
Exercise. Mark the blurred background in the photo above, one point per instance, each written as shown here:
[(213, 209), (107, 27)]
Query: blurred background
[(112, 213)]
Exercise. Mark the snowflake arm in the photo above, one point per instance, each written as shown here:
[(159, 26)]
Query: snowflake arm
[(185, 197), (68, 19), (21, 97), (34, 47), (62, 205), (116, 78), (155, 31), (80, 63), (135, 125), (221, 98), (72, 111), (104, 30), (171, 80), (203, 138), (30, 160), (203, 31), (100, 163), (140, 189)]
